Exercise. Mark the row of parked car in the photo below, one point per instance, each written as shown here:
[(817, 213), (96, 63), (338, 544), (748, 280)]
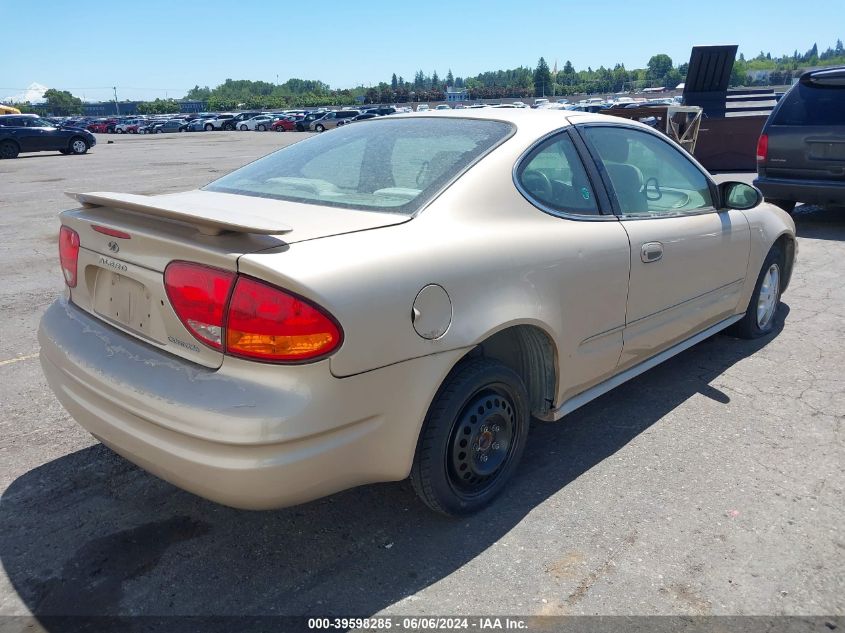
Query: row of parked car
[(298, 120)]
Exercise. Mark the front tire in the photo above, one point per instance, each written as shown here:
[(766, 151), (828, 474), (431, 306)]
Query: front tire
[(209, 127), (472, 439), (319, 128), (759, 318), (262, 128), (78, 145)]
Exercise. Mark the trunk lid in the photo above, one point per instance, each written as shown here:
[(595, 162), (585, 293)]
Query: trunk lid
[(126, 242)]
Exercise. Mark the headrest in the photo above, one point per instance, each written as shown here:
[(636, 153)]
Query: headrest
[(612, 147)]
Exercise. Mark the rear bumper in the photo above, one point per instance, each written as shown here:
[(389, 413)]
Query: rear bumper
[(807, 191), (247, 435)]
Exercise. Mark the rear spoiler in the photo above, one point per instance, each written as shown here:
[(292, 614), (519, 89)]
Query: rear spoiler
[(206, 219)]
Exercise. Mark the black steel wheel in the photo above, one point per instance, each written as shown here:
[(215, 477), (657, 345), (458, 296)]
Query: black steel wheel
[(472, 438)]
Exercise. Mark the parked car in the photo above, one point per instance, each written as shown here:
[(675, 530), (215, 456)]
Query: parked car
[(128, 126), (332, 119), (801, 151), (235, 122), (443, 106), (261, 123), (365, 116), (99, 127), (422, 107), (286, 124), (259, 365), (304, 124), (148, 127), (171, 125), (382, 111), (30, 133), (218, 122)]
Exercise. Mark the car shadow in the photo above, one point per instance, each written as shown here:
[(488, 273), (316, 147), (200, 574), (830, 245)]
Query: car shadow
[(819, 223), (91, 534)]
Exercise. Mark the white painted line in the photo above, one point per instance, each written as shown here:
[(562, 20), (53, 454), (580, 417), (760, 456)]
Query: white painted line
[(18, 359)]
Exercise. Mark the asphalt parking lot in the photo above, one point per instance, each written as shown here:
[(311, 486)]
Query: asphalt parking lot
[(712, 484)]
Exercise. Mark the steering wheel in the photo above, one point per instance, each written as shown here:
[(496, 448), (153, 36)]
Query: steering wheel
[(538, 184), (659, 194)]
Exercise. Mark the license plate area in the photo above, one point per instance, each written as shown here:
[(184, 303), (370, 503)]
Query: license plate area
[(827, 150), (123, 300)]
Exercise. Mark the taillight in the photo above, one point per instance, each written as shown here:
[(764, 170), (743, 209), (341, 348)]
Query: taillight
[(198, 295), (267, 323), (762, 148), (245, 317), (69, 254)]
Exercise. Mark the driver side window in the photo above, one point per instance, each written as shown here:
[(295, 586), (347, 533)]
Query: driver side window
[(650, 178)]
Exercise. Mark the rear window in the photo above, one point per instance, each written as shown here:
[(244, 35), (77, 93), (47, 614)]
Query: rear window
[(812, 105), (393, 165)]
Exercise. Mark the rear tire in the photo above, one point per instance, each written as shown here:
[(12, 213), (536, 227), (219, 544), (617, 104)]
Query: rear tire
[(472, 439), (9, 149), (244, 128), (262, 128), (759, 318), (786, 205), (319, 128), (209, 127)]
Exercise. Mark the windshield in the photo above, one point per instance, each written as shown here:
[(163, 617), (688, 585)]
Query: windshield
[(383, 165)]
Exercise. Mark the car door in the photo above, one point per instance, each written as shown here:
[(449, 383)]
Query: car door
[(689, 259), (588, 262)]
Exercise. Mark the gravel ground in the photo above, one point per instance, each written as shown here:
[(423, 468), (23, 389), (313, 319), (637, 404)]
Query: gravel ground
[(712, 484)]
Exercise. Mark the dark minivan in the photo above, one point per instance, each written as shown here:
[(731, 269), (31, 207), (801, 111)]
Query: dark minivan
[(801, 151)]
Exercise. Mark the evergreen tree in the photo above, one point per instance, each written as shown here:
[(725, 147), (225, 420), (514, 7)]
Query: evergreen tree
[(542, 78), (394, 82), (450, 78)]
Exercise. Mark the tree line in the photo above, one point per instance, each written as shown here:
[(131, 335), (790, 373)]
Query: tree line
[(520, 82)]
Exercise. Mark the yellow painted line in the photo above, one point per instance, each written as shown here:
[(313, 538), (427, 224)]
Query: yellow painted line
[(18, 359)]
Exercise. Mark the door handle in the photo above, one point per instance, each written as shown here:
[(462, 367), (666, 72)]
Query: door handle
[(651, 252)]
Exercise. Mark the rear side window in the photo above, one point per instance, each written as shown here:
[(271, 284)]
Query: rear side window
[(812, 105), (553, 176)]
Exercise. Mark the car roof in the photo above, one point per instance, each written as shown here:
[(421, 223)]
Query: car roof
[(535, 122), (834, 76)]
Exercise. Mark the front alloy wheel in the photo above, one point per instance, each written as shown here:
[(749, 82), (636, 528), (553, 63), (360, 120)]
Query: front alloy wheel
[(78, 146), (759, 317), (767, 298)]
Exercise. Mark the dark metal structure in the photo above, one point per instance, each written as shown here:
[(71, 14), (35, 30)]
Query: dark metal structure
[(733, 118)]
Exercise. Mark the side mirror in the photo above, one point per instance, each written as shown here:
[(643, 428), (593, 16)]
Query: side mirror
[(739, 195)]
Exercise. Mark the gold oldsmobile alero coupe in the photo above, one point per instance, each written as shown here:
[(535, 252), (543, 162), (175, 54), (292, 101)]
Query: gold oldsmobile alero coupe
[(398, 297)]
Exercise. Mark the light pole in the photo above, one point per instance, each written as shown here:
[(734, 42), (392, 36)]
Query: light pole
[(116, 105)]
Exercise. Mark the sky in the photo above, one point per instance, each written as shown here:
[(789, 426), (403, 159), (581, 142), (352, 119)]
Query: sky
[(156, 48)]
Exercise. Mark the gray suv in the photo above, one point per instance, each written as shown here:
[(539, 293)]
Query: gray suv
[(333, 119), (801, 151)]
